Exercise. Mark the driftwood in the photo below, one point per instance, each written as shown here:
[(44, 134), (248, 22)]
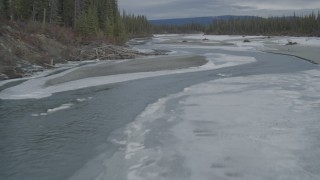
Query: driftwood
[(291, 43), (109, 52)]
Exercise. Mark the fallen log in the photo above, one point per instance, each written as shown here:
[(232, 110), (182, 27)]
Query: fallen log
[(111, 52)]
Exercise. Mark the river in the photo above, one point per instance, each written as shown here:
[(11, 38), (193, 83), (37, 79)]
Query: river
[(78, 134)]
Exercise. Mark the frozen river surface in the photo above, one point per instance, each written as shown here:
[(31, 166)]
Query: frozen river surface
[(245, 115), (257, 127)]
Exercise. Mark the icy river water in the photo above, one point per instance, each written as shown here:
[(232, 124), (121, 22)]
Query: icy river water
[(253, 120)]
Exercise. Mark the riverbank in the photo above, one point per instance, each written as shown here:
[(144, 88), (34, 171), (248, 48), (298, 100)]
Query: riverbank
[(29, 48), (308, 53), (306, 48)]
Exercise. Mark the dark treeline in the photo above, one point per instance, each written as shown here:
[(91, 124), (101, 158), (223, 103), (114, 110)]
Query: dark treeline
[(89, 18), (179, 29), (102, 19), (294, 25), (136, 26)]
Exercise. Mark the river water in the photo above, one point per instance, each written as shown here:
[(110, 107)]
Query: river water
[(68, 135)]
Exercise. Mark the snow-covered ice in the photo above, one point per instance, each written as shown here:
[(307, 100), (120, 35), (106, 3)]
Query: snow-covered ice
[(249, 128)]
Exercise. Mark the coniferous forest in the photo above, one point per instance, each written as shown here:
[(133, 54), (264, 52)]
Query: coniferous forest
[(293, 25), (102, 19), (88, 18)]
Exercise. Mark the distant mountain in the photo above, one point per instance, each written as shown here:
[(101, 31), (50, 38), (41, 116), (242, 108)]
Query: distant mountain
[(197, 20)]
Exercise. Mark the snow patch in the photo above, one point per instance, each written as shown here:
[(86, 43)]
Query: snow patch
[(84, 99), (53, 110), (61, 107), (218, 37)]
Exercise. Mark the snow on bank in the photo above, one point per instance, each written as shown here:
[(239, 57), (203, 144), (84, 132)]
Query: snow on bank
[(35, 88), (57, 68), (218, 37), (308, 41), (256, 42), (305, 41), (259, 127)]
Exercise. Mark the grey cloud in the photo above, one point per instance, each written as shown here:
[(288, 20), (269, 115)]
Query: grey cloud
[(243, 7)]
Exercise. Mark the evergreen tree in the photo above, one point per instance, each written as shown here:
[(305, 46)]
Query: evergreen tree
[(136, 26), (53, 16), (18, 8), (108, 30), (88, 17), (119, 28), (110, 11), (66, 12), (8, 9), (4, 9), (294, 25), (92, 19), (88, 23)]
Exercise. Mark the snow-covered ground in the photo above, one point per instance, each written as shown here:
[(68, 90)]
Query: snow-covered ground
[(304, 47), (314, 41), (248, 128), (255, 41), (218, 37)]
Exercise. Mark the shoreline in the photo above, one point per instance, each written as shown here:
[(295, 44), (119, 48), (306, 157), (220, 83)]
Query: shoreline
[(306, 53), (287, 54), (302, 51), (277, 45)]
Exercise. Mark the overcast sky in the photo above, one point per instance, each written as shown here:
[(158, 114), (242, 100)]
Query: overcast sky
[(161, 9)]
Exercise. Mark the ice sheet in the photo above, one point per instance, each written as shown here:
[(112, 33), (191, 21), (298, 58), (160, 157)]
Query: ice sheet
[(248, 128)]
